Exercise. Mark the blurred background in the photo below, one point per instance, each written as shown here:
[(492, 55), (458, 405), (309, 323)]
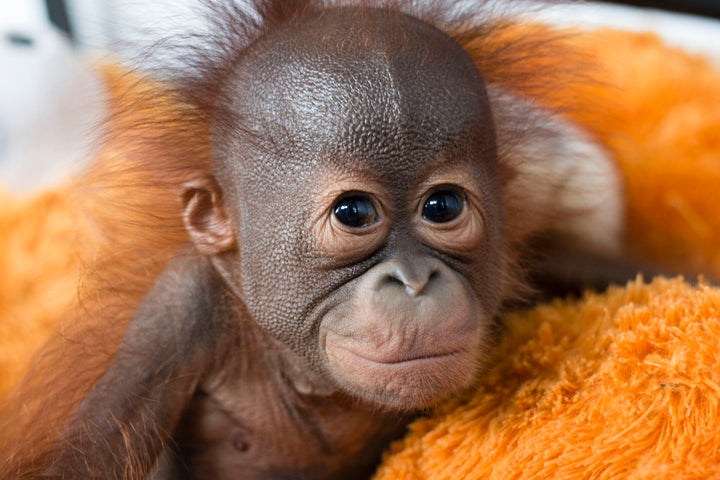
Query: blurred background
[(51, 99)]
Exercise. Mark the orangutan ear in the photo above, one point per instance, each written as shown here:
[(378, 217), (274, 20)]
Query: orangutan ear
[(205, 217)]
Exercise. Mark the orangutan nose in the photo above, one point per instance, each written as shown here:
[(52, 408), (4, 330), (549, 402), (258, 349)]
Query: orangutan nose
[(415, 277)]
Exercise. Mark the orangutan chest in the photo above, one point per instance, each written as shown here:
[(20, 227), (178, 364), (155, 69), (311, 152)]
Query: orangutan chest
[(252, 430)]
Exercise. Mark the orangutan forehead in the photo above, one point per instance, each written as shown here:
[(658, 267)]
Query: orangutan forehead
[(359, 79)]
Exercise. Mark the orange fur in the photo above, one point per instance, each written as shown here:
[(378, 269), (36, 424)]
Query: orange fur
[(659, 119), (132, 186), (117, 225)]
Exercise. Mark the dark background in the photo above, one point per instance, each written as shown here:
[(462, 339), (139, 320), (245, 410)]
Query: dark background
[(710, 8)]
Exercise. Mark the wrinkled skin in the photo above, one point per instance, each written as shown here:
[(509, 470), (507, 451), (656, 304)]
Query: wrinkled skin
[(297, 343), (395, 112)]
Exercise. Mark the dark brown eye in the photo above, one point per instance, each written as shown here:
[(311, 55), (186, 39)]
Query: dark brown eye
[(355, 211), (442, 206)]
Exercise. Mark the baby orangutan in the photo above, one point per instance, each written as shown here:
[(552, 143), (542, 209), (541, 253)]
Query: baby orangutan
[(351, 246)]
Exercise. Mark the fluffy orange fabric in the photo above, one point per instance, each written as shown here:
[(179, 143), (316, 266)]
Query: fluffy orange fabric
[(623, 385), (668, 148), (657, 111)]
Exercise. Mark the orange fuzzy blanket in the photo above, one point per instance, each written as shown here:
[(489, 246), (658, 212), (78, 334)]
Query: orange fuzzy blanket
[(624, 385), (619, 385)]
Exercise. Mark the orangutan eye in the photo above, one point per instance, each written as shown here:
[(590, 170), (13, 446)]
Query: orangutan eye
[(355, 211), (442, 206)]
